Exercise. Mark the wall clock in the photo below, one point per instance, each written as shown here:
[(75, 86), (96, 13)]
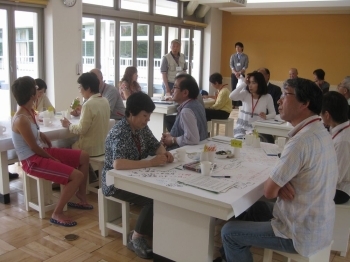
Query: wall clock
[(69, 3)]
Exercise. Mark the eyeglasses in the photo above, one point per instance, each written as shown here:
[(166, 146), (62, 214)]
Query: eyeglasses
[(284, 95), (176, 87)]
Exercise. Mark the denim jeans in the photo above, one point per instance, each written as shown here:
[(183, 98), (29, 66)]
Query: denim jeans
[(238, 236), (171, 85)]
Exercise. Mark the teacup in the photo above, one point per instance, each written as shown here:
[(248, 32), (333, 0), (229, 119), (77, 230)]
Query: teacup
[(47, 121), (2, 130), (205, 168), (180, 154)]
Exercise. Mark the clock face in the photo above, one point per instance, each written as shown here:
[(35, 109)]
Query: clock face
[(69, 2)]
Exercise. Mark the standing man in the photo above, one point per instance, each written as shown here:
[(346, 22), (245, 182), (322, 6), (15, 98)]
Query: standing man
[(238, 64), (273, 90), (111, 93), (190, 125), (344, 89), (172, 63), (293, 73), (303, 180)]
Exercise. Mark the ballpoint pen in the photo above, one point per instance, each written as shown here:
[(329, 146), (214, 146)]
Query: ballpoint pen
[(222, 176)]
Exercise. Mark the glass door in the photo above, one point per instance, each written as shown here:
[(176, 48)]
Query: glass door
[(5, 100)]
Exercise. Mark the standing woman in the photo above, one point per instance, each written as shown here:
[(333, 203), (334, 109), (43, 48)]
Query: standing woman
[(255, 102), (42, 102), (128, 85), (222, 107)]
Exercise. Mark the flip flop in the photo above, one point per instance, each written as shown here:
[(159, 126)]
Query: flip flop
[(60, 223), (80, 206)]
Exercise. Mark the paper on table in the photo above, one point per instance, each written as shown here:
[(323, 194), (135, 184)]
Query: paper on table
[(222, 139), (271, 121), (207, 183)]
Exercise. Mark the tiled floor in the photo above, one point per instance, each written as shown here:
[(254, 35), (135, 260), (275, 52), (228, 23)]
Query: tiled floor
[(25, 237)]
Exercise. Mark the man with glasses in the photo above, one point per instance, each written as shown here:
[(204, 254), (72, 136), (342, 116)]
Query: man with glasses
[(190, 125), (172, 63), (344, 89), (302, 219)]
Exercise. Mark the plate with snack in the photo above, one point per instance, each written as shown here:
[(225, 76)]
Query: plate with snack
[(223, 154)]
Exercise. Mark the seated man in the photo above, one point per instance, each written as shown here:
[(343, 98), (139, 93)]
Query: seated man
[(344, 89), (190, 126), (303, 180), (128, 144), (334, 114), (319, 80)]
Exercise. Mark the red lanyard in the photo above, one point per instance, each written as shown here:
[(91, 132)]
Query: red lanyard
[(345, 127), (31, 113), (316, 119), (136, 139), (254, 106)]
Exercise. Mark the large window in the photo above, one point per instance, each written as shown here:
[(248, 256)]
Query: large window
[(100, 2), (108, 50), (19, 50), (166, 7), (126, 46), (135, 5), (142, 55), (88, 36)]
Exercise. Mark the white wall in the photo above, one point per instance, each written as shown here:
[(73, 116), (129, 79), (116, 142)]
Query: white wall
[(62, 51), (212, 46)]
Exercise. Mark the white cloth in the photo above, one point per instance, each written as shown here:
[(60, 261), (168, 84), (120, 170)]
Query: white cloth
[(309, 163), (342, 149)]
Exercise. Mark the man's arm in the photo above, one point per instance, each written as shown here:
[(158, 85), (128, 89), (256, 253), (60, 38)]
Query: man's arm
[(271, 189), (191, 132), (164, 71)]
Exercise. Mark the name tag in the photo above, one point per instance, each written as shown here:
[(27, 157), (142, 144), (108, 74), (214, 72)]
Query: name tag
[(238, 64), (236, 143), (178, 68)]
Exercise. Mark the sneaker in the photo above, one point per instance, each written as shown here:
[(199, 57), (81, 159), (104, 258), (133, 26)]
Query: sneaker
[(140, 247)]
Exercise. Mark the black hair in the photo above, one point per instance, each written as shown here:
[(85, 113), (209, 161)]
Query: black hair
[(23, 88), (259, 78), (336, 105), (239, 44), (89, 80), (215, 78), (41, 84), (190, 84), (306, 91), (319, 74), (138, 102)]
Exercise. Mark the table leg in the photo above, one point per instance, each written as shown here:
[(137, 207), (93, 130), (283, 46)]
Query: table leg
[(182, 235), (4, 179)]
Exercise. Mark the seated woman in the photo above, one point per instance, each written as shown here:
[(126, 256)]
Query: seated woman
[(255, 103), (64, 166), (42, 102), (334, 114), (223, 104), (128, 143), (128, 85), (94, 119)]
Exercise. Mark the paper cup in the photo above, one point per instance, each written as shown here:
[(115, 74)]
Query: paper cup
[(2, 129), (47, 121), (249, 139), (180, 155), (205, 168)]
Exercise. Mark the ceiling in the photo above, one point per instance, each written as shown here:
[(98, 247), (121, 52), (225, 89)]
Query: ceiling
[(286, 7)]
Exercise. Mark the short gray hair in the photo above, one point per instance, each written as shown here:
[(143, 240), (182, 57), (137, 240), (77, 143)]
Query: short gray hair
[(346, 82)]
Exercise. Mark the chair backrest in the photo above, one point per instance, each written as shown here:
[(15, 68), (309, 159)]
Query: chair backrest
[(111, 124)]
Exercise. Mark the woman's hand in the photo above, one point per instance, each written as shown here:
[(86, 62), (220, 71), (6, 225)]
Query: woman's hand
[(76, 111), (159, 160), (262, 115), (169, 156), (45, 140)]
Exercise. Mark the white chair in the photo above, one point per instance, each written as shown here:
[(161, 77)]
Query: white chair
[(97, 163), (320, 256), (113, 212), (38, 194), (215, 123), (341, 228)]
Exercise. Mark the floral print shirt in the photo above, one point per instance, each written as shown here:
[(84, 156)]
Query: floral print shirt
[(121, 143)]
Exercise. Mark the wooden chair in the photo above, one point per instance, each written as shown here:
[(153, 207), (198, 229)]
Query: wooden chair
[(320, 256), (215, 123), (97, 164), (38, 194)]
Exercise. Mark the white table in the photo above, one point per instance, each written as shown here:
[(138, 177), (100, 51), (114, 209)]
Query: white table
[(273, 129), (184, 216), (54, 132)]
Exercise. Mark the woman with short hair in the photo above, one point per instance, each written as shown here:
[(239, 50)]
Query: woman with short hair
[(128, 145), (42, 102)]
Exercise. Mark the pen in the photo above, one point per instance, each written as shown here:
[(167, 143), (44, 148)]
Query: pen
[(222, 176)]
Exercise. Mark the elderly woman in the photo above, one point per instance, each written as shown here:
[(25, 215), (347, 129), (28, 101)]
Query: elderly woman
[(128, 85), (42, 102), (256, 102), (223, 104), (64, 166), (344, 89), (128, 144), (94, 119)]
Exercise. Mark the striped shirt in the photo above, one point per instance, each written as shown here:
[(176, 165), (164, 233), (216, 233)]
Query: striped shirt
[(309, 163)]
